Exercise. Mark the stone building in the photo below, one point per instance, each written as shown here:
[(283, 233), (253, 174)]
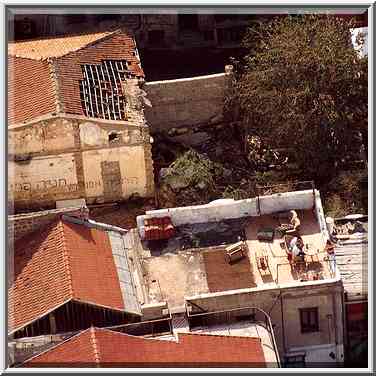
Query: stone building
[(76, 123), (173, 29)]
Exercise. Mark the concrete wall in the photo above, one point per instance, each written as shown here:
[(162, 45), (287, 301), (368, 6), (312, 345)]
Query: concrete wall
[(319, 211), (283, 307), (71, 157), (228, 209), (154, 311), (185, 102), (287, 201), (319, 354)]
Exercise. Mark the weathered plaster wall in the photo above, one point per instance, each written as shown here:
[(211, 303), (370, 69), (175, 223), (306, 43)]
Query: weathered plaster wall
[(115, 173), (185, 102), (42, 179), (70, 158), (46, 136)]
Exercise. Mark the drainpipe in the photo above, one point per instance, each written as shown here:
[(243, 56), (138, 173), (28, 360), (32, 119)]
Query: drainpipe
[(283, 326), (335, 325)]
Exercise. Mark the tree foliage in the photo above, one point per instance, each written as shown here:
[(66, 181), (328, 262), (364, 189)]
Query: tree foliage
[(192, 178), (303, 87)]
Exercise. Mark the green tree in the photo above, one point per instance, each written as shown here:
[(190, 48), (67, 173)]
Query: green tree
[(189, 180), (303, 88)]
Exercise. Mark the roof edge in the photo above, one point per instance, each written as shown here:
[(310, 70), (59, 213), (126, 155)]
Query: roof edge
[(57, 345), (110, 34), (39, 317), (15, 56), (53, 115), (178, 334), (55, 84), (124, 310), (66, 258)]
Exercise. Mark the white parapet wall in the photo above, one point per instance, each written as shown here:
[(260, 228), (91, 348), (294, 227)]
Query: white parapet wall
[(302, 200), (220, 210), (319, 210)]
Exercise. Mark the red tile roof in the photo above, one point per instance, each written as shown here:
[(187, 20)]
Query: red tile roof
[(65, 262), (36, 66), (42, 49), (30, 89), (105, 348), (119, 46)]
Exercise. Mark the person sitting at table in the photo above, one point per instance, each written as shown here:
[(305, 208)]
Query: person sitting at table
[(295, 249), (291, 228), (329, 247), (331, 257), (295, 224)]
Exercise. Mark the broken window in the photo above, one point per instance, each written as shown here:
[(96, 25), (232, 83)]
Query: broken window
[(101, 90), (113, 136)]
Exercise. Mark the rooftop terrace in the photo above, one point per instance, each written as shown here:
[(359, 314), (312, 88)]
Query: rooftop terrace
[(193, 261)]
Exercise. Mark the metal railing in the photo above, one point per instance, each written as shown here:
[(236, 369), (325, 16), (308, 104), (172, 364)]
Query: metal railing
[(252, 315)]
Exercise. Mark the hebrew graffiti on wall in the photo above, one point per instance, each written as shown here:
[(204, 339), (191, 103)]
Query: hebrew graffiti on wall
[(61, 178), (62, 184)]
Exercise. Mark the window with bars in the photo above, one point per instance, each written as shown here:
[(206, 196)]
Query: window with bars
[(101, 90), (309, 320)]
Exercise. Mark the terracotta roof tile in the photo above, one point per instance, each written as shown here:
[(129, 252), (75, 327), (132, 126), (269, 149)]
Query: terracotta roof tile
[(30, 89), (41, 49), (112, 349), (93, 271), (65, 261)]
